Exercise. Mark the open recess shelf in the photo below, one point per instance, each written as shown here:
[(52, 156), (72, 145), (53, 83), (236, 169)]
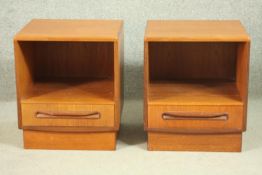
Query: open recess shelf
[(87, 91), (193, 93), (193, 73), (69, 72)]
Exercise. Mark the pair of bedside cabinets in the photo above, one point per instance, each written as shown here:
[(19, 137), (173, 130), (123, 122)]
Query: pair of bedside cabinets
[(70, 81)]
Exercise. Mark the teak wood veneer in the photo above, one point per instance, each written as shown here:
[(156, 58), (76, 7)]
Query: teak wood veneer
[(69, 83), (196, 85)]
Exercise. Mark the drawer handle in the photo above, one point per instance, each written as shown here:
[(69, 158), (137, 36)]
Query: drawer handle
[(68, 115), (194, 116)]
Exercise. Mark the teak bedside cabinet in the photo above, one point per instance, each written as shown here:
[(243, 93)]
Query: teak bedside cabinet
[(196, 85), (68, 83)]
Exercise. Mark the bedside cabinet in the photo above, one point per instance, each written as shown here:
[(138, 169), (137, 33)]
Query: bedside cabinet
[(196, 85), (68, 83)]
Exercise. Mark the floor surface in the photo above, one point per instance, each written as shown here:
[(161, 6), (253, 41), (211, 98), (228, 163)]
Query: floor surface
[(131, 156)]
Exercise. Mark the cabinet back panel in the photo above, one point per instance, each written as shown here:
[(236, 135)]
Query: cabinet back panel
[(73, 59), (192, 60)]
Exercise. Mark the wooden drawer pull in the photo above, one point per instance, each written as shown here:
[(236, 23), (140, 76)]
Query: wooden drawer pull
[(194, 116), (68, 115)]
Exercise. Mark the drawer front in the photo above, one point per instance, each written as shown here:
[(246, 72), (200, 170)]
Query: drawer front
[(196, 119), (67, 115)]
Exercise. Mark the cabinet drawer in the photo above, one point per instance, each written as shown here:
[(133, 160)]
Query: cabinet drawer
[(196, 119), (67, 115)]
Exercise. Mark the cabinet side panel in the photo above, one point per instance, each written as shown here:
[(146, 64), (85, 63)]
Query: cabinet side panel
[(24, 68), (146, 82), (118, 77), (121, 50), (242, 75)]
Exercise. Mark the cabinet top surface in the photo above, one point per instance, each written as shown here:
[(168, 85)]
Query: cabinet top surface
[(70, 30), (193, 30)]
